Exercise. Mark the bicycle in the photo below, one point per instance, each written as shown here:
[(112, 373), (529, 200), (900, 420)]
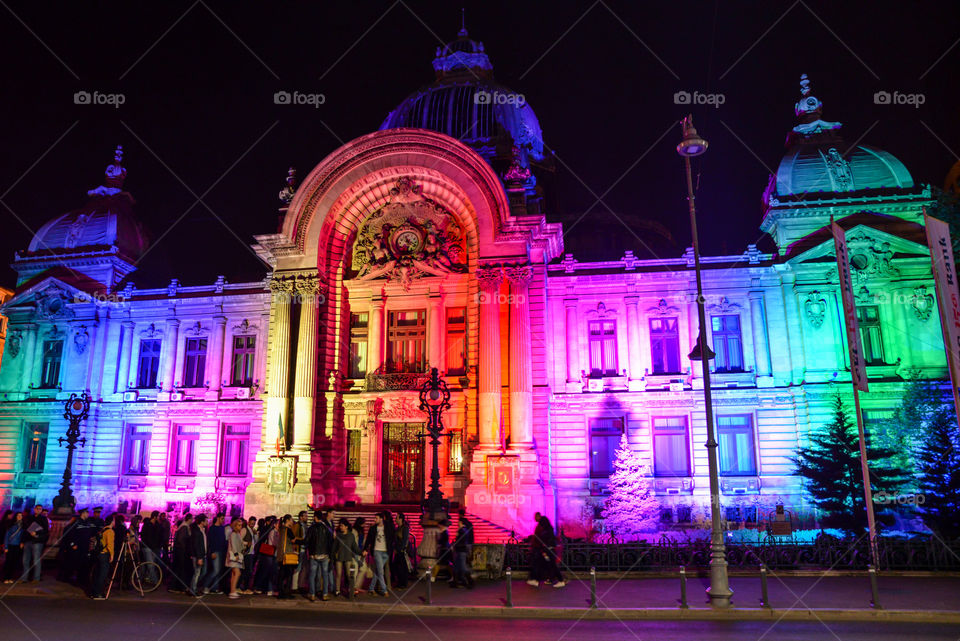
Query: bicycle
[(145, 576)]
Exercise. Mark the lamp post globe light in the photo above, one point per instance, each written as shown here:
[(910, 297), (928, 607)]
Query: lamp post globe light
[(74, 410), (719, 591)]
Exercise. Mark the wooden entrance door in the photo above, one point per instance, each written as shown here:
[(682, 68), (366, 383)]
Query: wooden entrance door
[(403, 462)]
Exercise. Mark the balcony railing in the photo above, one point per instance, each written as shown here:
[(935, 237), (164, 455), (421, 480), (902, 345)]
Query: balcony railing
[(385, 381)]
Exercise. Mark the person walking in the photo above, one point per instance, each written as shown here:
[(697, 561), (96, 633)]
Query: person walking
[(182, 569), (318, 544), (217, 544), (536, 554), (551, 572), (37, 532), (345, 553), (287, 556), (401, 562), (443, 549), (198, 553), (236, 553), (104, 553), (13, 547), (378, 545), (462, 551)]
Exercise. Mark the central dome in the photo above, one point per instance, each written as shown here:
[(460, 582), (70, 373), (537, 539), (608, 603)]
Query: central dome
[(466, 103)]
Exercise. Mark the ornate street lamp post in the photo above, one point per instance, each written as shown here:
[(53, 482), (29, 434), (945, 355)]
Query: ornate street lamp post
[(434, 399), (719, 590), (74, 410)]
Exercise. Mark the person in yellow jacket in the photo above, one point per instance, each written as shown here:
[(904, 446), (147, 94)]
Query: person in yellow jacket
[(103, 553)]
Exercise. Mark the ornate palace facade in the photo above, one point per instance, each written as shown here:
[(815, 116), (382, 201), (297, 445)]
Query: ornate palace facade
[(423, 245)]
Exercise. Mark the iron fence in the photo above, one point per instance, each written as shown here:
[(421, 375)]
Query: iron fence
[(668, 554)]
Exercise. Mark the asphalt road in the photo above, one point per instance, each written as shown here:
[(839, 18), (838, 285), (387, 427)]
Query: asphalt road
[(45, 619)]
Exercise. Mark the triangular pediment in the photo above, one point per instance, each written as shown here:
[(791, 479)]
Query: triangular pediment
[(862, 239), (48, 299)]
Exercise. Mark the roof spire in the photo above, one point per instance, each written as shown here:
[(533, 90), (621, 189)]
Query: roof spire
[(463, 23), (808, 110)]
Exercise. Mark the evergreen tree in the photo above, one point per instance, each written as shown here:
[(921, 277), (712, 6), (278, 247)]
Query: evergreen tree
[(938, 469), (830, 466), (632, 507)]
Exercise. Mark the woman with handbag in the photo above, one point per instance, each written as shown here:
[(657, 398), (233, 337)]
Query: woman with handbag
[(288, 556), (265, 580), (345, 555), (235, 554)]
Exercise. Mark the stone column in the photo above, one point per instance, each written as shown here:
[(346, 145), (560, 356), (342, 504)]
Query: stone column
[(29, 351), (215, 360), (435, 332), (279, 360), (794, 324), (126, 354), (633, 342), (573, 348), (489, 388), (521, 374), (375, 334), (169, 359), (305, 381), (758, 319)]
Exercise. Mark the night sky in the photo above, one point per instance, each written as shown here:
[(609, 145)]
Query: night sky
[(199, 120)]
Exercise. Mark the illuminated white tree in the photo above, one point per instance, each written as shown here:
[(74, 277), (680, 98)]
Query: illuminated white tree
[(632, 508)]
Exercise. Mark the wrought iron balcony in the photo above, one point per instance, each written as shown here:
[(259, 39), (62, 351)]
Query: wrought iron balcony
[(383, 380)]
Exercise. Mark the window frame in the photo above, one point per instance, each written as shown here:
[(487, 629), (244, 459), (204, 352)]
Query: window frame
[(353, 448), (872, 329), (244, 356), (670, 340), (748, 429), (359, 336), (51, 365), (602, 339), (664, 432), (455, 452), (131, 437), (29, 464), (154, 367), (241, 457), (608, 433), (456, 334), (194, 362), (178, 439), (400, 337), (722, 339)]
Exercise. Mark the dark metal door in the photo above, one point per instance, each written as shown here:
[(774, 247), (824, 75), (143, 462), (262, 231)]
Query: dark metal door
[(403, 460)]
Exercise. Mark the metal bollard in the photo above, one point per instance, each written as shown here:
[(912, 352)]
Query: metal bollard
[(764, 597), (509, 588), (874, 588), (683, 588), (430, 584), (593, 588)]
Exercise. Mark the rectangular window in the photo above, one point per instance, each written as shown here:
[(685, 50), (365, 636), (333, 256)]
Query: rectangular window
[(36, 447), (359, 329), (137, 454), (353, 451), (737, 447), (671, 448), (665, 345), (244, 348), (236, 448), (50, 365), (456, 353), (406, 336), (194, 362), (148, 364), (185, 440), (605, 435), (603, 348), (727, 343), (455, 454), (871, 341)]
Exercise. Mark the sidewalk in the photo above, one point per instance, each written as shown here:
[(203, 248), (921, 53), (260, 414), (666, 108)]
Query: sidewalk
[(914, 599)]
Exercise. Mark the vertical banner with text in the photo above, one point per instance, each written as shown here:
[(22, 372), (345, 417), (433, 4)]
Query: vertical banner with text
[(948, 299), (858, 366)]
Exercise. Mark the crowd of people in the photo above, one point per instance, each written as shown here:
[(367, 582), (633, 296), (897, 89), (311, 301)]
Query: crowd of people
[(281, 557)]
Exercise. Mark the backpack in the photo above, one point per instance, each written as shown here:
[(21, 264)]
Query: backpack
[(96, 544)]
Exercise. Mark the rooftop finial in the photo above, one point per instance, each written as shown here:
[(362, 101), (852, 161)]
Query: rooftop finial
[(808, 110), (286, 194), (463, 23), (804, 85), (113, 176)]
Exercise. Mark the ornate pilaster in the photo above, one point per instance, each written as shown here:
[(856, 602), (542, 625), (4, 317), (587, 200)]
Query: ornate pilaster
[(126, 355), (435, 332), (169, 350), (633, 343), (279, 360), (521, 375), (489, 388), (758, 319), (375, 334), (29, 355), (304, 385), (572, 348), (217, 347)]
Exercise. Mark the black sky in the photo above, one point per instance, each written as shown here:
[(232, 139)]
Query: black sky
[(199, 79)]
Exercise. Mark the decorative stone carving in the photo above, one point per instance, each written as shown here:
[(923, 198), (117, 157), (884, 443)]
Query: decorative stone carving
[(601, 311), (197, 330), (173, 287), (489, 278), (151, 332), (14, 342), (662, 309), (244, 328), (286, 194), (870, 257), (922, 303), (839, 170), (407, 238), (52, 304), (724, 306), (306, 287), (81, 339), (863, 296), (53, 333), (520, 275), (402, 408), (815, 308)]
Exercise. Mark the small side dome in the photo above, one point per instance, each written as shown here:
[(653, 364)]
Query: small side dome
[(106, 221)]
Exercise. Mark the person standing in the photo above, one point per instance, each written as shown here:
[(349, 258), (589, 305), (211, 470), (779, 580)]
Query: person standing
[(37, 530), (551, 558), (267, 540), (13, 547), (300, 539), (287, 556), (182, 570), (249, 531), (400, 568), (164, 529), (318, 544), (346, 551), (104, 551), (462, 551), (217, 545), (236, 552), (151, 538), (78, 549), (97, 517), (378, 545), (443, 549), (198, 553)]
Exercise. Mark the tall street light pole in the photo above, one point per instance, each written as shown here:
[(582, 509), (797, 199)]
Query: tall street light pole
[(434, 399), (74, 410), (719, 590)]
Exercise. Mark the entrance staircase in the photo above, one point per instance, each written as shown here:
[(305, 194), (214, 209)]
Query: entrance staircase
[(484, 531)]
